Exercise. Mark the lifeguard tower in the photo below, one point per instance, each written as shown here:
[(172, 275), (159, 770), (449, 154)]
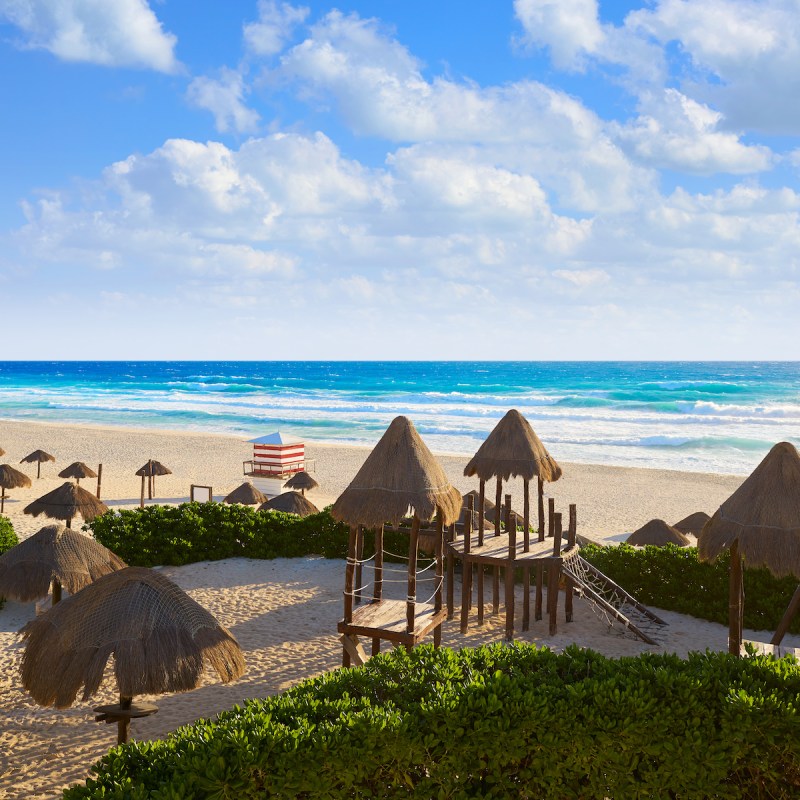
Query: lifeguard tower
[(276, 457)]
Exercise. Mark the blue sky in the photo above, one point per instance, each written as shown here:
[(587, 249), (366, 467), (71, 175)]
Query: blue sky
[(404, 179)]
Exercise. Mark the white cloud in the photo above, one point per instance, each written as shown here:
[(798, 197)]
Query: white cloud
[(276, 22), (582, 278), (122, 33), (224, 98)]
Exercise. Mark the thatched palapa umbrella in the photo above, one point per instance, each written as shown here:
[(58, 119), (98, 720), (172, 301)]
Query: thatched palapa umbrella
[(66, 502), (692, 524), (246, 495), (759, 522), (11, 478), (302, 481), (77, 470), (55, 555), (290, 503), (657, 533), (149, 471), (399, 476), (37, 457), (159, 637)]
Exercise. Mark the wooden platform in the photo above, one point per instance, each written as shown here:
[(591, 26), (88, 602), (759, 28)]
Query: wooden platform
[(495, 549), (386, 619)]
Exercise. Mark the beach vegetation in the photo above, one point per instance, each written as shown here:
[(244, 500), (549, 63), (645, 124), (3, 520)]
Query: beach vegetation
[(8, 539), (495, 721)]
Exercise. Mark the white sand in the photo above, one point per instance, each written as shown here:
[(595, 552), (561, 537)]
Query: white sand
[(284, 612)]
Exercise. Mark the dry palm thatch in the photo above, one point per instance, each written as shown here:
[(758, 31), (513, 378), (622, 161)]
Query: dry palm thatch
[(246, 495), (763, 515), (290, 503), (302, 481), (77, 470), (512, 449), (55, 553), (693, 523), (158, 635), (153, 468), (658, 533), (398, 475), (37, 457), (11, 478), (67, 502)]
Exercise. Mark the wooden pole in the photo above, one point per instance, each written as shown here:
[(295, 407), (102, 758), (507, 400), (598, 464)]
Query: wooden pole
[(498, 521), (551, 512), (141, 499), (56, 591), (451, 574), (99, 479), (512, 556), (38, 469), (735, 602), (552, 577), (572, 533), (411, 600), (348, 587), (526, 516), (359, 558), (788, 616), (377, 587), (466, 566), (437, 597), (571, 537), (479, 568), (124, 723), (2, 499), (540, 489)]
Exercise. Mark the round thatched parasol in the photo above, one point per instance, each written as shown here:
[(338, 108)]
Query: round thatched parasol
[(398, 475), (302, 481), (66, 502), (159, 637), (54, 555), (77, 470), (246, 494), (11, 478), (37, 457), (290, 503), (149, 471), (658, 533), (693, 523), (760, 521)]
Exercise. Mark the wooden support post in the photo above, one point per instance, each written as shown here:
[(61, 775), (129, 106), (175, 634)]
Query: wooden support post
[(572, 533), (437, 597), (481, 513), (38, 469), (526, 598), (377, 589), (150, 486), (788, 616), (56, 591), (526, 516), (99, 479), (498, 522), (553, 576), (735, 602), (348, 588), (355, 652), (551, 513), (537, 611), (466, 566), (141, 499), (540, 490), (124, 723), (568, 597), (2, 499), (450, 572), (359, 565), (512, 556), (411, 600)]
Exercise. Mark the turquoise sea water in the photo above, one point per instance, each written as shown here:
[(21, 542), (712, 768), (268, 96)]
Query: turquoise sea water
[(705, 416)]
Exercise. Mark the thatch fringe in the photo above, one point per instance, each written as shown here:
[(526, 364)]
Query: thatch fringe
[(158, 635), (302, 481), (37, 456), (77, 470), (246, 494), (11, 478), (763, 515), (658, 533), (400, 476), (67, 502), (152, 468), (513, 449), (290, 503), (693, 524)]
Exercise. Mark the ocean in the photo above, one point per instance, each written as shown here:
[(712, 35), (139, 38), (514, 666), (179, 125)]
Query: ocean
[(702, 416)]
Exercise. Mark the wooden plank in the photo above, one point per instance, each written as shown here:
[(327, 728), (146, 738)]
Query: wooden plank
[(412, 575), (526, 515), (388, 620), (512, 550), (357, 654), (554, 570), (466, 566), (735, 602), (540, 496), (788, 616)]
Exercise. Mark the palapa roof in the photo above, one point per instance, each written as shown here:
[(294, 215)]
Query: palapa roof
[(11, 478), (399, 474), (153, 467), (66, 502), (302, 480), (159, 637), (512, 449), (37, 455), (77, 470), (763, 515), (693, 523), (658, 533), (246, 494), (290, 503), (71, 557)]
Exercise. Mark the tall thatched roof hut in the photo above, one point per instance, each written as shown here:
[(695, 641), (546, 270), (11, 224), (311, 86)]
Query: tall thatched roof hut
[(290, 503), (11, 478), (37, 457), (246, 495), (77, 470), (692, 524), (657, 533), (66, 502)]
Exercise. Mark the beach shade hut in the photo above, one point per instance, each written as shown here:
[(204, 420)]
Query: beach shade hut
[(160, 639), (657, 533), (11, 478), (512, 449), (399, 477), (149, 471), (760, 523), (246, 495), (67, 502), (290, 503), (692, 524), (56, 556), (37, 457), (77, 470), (277, 455), (302, 481)]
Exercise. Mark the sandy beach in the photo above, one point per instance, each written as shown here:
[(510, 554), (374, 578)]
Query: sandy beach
[(284, 612)]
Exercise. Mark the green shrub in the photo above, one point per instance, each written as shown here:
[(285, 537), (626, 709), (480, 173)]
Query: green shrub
[(498, 721), (675, 579), (8, 539)]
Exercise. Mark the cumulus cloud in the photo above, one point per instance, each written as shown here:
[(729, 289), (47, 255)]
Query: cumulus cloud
[(276, 22), (123, 33), (224, 98)]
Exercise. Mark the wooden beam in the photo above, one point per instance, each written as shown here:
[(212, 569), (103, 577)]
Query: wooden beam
[(788, 616), (377, 588), (359, 571), (540, 495), (437, 597), (466, 566), (512, 554), (99, 479), (354, 650), (553, 575), (735, 602), (348, 589), (411, 600), (526, 515)]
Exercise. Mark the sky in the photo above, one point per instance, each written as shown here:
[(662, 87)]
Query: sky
[(403, 179)]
